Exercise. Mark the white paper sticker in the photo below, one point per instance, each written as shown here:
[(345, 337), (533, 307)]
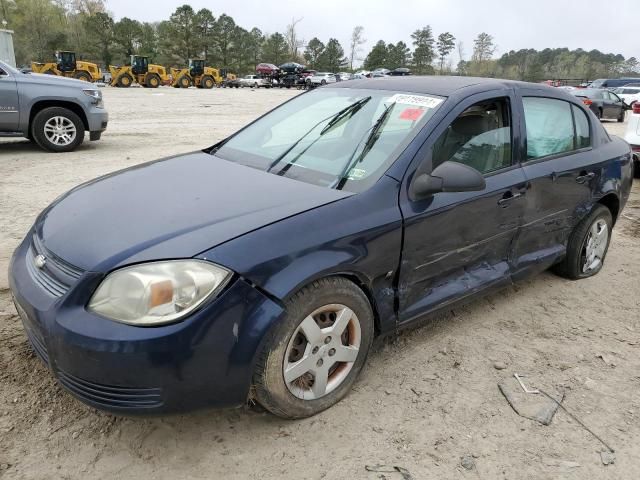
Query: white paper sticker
[(416, 100)]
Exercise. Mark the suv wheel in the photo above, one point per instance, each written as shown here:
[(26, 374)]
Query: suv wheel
[(57, 129)]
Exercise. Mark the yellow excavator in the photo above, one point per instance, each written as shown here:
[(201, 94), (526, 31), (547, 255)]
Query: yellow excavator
[(140, 71), (67, 66), (196, 74)]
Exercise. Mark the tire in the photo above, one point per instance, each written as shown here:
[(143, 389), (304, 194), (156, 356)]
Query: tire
[(286, 339), (125, 81), (323, 82), (574, 265), (184, 82), (255, 85), (621, 116), (84, 76), (207, 82), (598, 113), (153, 81), (48, 117)]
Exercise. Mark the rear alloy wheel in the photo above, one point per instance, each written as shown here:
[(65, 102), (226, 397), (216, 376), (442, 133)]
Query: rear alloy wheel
[(57, 129), (588, 245), (313, 356)]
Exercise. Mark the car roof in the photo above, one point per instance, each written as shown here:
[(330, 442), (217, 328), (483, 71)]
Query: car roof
[(443, 86)]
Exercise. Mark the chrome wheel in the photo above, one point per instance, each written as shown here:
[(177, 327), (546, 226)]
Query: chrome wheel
[(595, 246), (322, 351), (60, 131)]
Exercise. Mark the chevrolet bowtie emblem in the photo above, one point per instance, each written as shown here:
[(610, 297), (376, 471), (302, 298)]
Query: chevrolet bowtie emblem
[(40, 261)]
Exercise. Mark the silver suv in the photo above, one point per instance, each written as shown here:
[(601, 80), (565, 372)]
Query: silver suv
[(52, 111)]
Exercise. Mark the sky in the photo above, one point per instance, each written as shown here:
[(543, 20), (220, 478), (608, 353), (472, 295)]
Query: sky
[(514, 24)]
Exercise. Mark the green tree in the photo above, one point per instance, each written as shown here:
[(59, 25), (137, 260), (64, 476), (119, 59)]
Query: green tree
[(224, 36), (102, 26), (313, 52), (398, 55), (182, 41), (256, 41), (39, 30), (377, 57), (423, 53), (332, 59), (127, 34), (149, 45), (275, 49), (483, 50), (205, 24), (446, 44)]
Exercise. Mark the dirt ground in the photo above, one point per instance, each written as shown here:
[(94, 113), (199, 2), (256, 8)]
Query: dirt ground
[(427, 402)]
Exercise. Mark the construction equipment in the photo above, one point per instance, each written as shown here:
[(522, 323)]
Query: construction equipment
[(140, 71), (67, 66), (196, 74)]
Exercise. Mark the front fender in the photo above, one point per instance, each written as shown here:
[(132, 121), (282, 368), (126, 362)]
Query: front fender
[(359, 237)]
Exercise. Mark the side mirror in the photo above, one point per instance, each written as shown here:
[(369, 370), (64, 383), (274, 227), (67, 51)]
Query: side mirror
[(448, 177)]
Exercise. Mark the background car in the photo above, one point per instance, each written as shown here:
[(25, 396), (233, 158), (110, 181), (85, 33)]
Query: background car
[(322, 78), (628, 94), (254, 81), (612, 82), (632, 136), (380, 72), (603, 103), (345, 76)]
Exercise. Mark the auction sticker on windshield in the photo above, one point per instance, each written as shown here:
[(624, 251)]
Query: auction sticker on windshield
[(416, 100)]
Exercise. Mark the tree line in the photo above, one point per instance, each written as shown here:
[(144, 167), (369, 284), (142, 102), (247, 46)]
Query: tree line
[(85, 26)]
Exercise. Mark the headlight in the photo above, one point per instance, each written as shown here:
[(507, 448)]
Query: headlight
[(95, 94), (159, 292)]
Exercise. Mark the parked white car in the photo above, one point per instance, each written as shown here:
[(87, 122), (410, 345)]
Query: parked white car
[(253, 81), (362, 74), (628, 94), (633, 136), (322, 78)]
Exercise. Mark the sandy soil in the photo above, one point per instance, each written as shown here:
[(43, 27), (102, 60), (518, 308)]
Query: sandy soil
[(427, 402)]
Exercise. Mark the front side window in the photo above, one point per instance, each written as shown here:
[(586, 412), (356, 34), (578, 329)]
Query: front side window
[(339, 138), (480, 137), (549, 127)]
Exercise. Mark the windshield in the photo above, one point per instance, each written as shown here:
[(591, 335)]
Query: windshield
[(8, 68), (337, 137)]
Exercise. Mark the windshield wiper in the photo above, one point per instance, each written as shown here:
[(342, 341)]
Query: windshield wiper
[(371, 139), (334, 119)]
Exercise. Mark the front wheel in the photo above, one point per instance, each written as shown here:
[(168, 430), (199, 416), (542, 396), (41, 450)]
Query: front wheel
[(57, 129), (588, 245), (313, 356), (621, 116)]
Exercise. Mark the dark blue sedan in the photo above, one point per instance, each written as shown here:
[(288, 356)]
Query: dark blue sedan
[(264, 266)]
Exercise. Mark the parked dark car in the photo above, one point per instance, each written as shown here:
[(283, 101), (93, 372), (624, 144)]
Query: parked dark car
[(603, 103), (612, 82), (265, 265)]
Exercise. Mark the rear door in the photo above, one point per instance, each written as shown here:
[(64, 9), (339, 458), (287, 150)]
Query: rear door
[(9, 104), (561, 166), (457, 244)]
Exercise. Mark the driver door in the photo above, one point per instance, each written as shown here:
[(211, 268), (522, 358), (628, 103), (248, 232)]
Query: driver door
[(458, 244), (9, 104)]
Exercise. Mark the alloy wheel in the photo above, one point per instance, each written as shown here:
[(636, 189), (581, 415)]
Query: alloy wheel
[(595, 246), (60, 131), (322, 351)]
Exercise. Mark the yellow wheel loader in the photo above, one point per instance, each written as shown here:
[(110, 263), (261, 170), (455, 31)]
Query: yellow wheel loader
[(140, 71), (67, 66), (196, 74)]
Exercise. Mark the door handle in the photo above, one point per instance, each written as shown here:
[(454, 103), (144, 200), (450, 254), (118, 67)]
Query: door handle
[(508, 197), (584, 177)]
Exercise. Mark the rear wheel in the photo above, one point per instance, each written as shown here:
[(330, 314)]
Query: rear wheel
[(312, 358), (153, 80), (184, 82), (57, 129), (621, 116), (125, 81), (207, 82), (588, 245), (598, 113), (84, 76)]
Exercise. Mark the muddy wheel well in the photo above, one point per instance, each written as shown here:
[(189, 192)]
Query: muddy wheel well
[(612, 202), (74, 107)]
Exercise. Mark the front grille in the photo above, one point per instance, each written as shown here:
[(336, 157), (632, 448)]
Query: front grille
[(57, 275), (110, 396)]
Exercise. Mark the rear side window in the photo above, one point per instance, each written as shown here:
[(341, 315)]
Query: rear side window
[(549, 127), (583, 136)]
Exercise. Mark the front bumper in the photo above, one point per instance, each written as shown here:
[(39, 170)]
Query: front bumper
[(98, 119), (205, 360)]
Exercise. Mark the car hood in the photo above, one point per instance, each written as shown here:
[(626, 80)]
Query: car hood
[(172, 208), (53, 80)]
